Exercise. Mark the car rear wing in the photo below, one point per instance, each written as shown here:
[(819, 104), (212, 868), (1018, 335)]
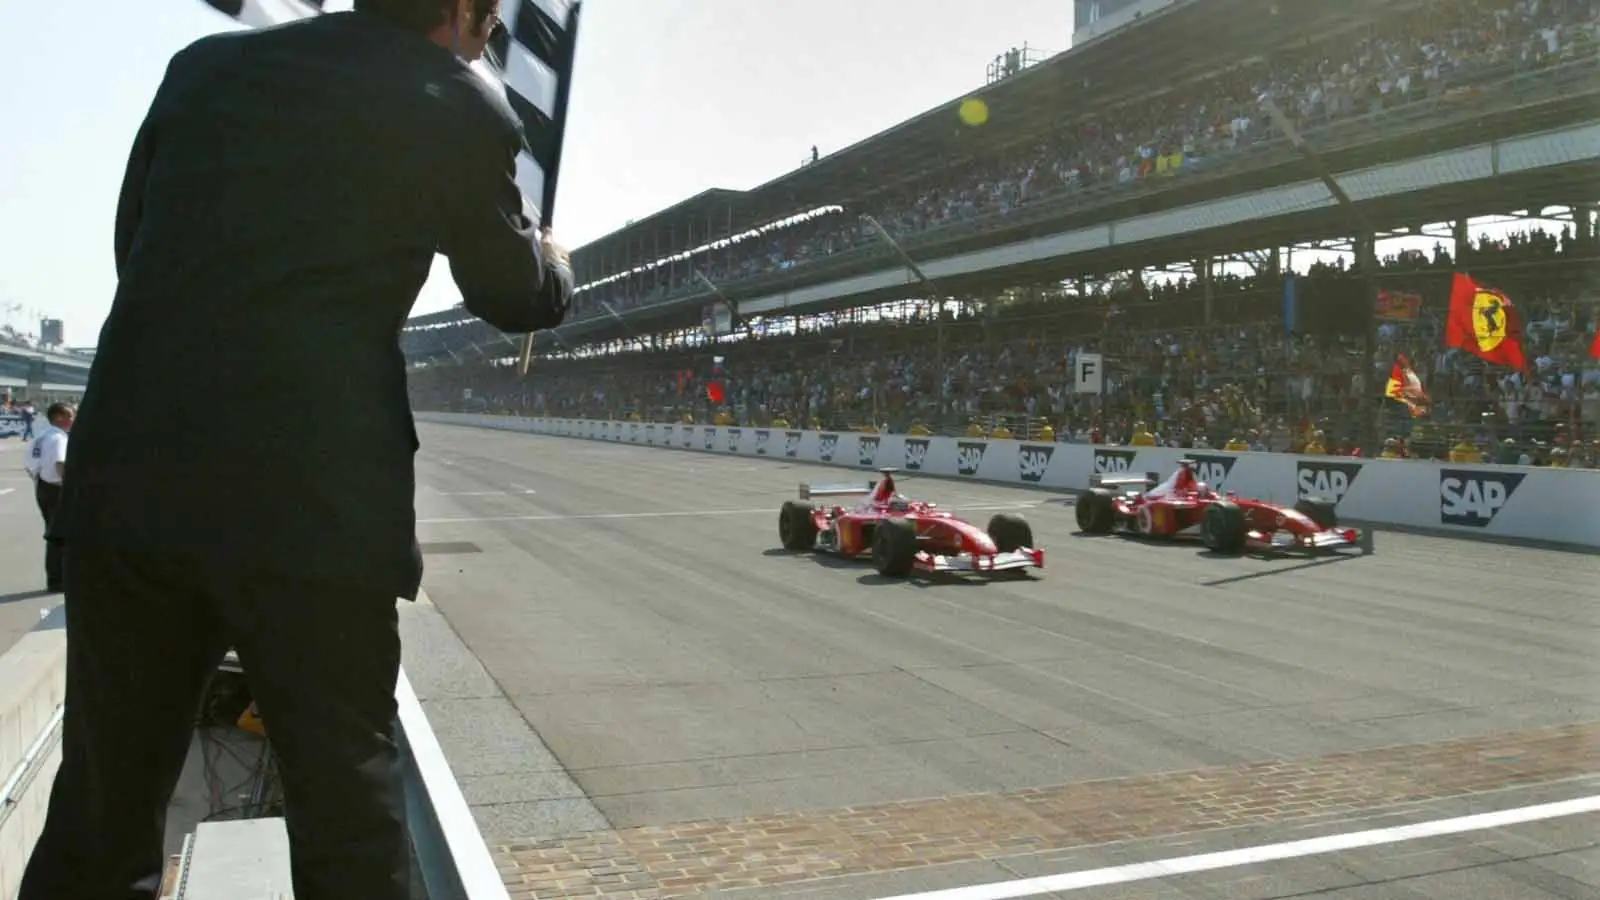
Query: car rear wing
[(1147, 481), (808, 491)]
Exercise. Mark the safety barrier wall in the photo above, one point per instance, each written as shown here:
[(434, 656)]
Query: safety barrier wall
[(33, 680), (1559, 506)]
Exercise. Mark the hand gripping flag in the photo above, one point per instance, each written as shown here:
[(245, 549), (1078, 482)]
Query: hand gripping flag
[(1485, 323), (536, 42), (1406, 387)]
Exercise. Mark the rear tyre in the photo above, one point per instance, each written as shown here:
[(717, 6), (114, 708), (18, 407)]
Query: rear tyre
[(1224, 529), (894, 547), (1009, 532), (1096, 512), (796, 527), (1320, 511)]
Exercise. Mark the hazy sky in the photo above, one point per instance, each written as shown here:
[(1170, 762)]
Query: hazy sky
[(670, 97)]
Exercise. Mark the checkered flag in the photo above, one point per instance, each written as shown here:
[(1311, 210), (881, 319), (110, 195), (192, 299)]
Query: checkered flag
[(530, 56)]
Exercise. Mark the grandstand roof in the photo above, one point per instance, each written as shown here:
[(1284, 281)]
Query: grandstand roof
[(1098, 73), (679, 221)]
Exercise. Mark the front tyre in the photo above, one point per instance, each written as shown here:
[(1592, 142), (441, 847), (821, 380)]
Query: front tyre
[(1224, 529), (1096, 511), (1009, 532), (894, 548), (797, 526)]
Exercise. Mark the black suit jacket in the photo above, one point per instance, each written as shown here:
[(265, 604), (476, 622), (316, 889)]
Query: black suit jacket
[(282, 206)]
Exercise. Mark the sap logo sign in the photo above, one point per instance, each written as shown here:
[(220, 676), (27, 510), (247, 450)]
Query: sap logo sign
[(1108, 462), (666, 434), (711, 439), (1033, 460), (1213, 470), (1474, 498), (791, 444), (633, 433), (827, 446), (969, 456), (761, 442), (688, 437), (866, 450), (916, 453), (1328, 481), (733, 440), (649, 434)]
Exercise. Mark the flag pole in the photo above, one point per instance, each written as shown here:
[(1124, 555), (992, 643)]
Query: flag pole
[(552, 173)]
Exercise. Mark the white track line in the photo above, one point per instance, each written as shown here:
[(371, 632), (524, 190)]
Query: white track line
[(627, 515), (4, 491), (1204, 862)]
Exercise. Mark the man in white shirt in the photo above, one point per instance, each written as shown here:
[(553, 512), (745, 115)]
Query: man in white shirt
[(47, 465)]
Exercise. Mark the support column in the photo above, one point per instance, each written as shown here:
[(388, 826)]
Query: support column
[(1366, 245), (1583, 222)]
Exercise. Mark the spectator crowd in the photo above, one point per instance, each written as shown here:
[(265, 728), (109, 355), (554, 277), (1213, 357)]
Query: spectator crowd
[(1238, 375), (1433, 51), (1208, 362)]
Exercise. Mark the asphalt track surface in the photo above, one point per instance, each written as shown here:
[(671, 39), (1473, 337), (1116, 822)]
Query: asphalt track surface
[(643, 698), (679, 708)]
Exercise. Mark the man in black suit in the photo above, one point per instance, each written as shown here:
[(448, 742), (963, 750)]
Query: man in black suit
[(283, 202)]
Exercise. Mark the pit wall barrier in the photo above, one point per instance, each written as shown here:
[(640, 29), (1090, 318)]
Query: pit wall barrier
[(33, 682), (1557, 506)]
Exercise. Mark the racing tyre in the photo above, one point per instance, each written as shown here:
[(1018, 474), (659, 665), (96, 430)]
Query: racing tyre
[(796, 528), (894, 547), (1318, 510), (1009, 532), (1095, 512), (1224, 528)]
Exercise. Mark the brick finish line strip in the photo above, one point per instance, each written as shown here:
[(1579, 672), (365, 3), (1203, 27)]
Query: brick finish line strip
[(662, 862)]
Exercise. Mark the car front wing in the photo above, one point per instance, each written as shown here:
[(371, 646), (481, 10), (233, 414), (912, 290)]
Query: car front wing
[(975, 563)]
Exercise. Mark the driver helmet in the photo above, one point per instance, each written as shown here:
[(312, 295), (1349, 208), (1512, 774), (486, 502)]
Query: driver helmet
[(899, 503)]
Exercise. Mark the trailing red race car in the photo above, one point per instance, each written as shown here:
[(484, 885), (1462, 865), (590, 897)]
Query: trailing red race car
[(904, 535), (1184, 506)]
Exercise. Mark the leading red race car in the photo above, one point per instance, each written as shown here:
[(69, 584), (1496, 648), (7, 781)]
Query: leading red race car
[(1185, 506), (905, 535)]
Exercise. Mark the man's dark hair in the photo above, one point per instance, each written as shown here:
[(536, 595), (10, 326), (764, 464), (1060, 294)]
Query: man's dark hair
[(57, 409), (421, 16)]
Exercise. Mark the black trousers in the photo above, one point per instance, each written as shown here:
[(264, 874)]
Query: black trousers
[(145, 632), (48, 496)]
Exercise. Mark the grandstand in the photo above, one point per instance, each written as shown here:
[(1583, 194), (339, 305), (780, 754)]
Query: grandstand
[(1047, 230), (43, 376)]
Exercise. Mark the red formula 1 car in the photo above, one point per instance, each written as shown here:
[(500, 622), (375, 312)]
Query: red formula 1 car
[(1185, 506), (905, 535)]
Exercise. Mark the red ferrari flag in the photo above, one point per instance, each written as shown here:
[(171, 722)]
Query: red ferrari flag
[(1594, 346), (1406, 387), (1484, 322), (715, 392)]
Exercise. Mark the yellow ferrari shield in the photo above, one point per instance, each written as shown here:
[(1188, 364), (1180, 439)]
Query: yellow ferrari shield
[(1490, 314)]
